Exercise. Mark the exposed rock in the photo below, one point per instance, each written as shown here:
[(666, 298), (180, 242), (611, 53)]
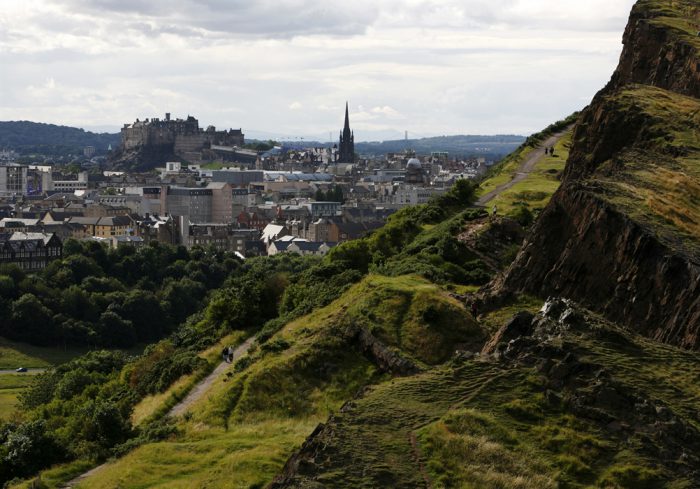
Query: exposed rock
[(656, 55), (580, 247), (519, 325), (382, 355)]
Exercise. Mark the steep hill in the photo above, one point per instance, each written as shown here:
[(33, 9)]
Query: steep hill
[(27, 137), (622, 233)]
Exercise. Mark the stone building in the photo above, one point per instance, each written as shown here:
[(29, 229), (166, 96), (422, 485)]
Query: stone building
[(178, 136)]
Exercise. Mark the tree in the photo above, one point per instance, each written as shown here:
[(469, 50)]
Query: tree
[(30, 320), (115, 331)]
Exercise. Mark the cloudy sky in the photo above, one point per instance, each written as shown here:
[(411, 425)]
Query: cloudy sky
[(284, 68)]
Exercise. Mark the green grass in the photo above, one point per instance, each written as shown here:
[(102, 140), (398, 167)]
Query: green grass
[(657, 182), (13, 355), (250, 422), (208, 457), (505, 171), (680, 17), (157, 405), (489, 425), (11, 385), (538, 187)]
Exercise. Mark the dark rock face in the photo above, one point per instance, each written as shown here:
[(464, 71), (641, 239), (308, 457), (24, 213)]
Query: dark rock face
[(655, 55), (519, 325), (582, 248)]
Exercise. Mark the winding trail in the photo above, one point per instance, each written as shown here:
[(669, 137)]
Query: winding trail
[(200, 389), (524, 169), (181, 408)]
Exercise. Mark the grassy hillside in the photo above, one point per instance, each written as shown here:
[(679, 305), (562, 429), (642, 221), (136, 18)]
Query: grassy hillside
[(251, 421), (517, 421), (503, 171), (537, 188), (657, 181), (678, 17)]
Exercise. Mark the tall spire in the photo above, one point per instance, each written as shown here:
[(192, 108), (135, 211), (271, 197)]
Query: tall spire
[(346, 148), (347, 117)]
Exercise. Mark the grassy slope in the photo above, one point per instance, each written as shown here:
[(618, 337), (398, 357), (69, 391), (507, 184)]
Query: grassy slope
[(659, 185), (504, 171), (488, 425), (158, 404), (539, 186), (241, 433)]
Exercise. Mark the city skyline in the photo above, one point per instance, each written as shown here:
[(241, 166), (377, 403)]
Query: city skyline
[(285, 70)]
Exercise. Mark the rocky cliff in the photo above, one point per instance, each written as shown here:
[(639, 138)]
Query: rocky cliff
[(660, 47), (622, 234)]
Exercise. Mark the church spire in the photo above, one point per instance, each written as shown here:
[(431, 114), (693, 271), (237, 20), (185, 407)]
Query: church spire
[(346, 148)]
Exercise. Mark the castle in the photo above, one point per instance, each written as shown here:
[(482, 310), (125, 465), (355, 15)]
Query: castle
[(178, 137)]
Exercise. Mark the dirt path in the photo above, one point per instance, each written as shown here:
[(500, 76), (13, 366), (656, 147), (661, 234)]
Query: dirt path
[(179, 409), (201, 388), (524, 169)]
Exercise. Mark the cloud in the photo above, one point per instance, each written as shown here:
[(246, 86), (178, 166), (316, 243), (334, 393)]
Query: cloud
[(429, 66), (238, 18)]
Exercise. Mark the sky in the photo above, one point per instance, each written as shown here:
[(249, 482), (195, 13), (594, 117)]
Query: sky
[(285, 68)]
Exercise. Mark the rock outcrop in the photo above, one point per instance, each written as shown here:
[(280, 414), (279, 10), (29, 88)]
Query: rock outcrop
[(658, 53), (595, 243)]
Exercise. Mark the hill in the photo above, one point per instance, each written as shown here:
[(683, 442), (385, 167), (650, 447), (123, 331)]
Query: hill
[(491, 147), (494, 147), (28, 138)]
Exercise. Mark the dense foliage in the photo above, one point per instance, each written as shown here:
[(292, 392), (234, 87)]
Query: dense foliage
[(113, 298)]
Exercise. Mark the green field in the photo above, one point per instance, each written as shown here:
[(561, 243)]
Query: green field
[(11, 385), (13, 355)]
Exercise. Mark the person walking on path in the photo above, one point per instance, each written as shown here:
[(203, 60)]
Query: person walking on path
[(474, 309)]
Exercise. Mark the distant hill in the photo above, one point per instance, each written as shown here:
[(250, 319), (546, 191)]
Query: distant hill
[(488, 146), (455, 145), (27, 137)]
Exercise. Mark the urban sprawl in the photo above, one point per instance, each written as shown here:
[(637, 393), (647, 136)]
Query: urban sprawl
[(214, 193)]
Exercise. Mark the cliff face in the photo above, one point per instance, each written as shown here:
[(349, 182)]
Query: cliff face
[(622, 234), (660, 44), (584, 248)]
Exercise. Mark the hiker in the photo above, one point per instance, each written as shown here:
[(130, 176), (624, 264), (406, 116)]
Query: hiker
[(230, 354), (494, 209), (225, 353), (473, 309)]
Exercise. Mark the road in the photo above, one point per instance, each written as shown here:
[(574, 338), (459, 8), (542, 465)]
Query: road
[(29, 371), (524, 169)]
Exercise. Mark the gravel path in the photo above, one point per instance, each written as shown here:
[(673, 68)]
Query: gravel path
[(524, 169), (179, 409), (201, 388)]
